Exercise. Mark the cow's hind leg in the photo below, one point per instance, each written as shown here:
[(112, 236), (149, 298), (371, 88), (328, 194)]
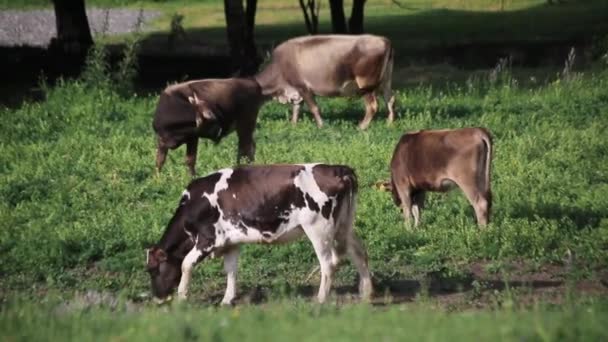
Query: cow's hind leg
[(371, 107), (358, 256), (417, 205), (161, 154), (320, 236), (406, 201), (230, 267), (309, 98), (387, 93), (480, 200), (191, 150)]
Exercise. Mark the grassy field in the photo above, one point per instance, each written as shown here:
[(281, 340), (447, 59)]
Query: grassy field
[(80, 202)]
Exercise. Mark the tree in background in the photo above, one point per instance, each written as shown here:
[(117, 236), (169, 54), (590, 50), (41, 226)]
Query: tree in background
[(355, 24), (311, 9), (240, 24), (338, 21), (73, 31)]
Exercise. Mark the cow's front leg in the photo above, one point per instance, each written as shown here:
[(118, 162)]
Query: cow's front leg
[(230, 267), (161, 155), (246, 143), (191, 149), (189, 261)]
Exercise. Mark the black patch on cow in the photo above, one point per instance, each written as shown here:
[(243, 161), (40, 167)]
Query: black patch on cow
[(312, 204), (264, 196), (203, 185), (326, 209), (298, 198), (241, 226)]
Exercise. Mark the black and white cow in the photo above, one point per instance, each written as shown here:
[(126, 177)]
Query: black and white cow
[(267, 204)]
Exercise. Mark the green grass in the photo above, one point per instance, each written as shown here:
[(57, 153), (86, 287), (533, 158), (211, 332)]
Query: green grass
[(80, 201), (300, 321)]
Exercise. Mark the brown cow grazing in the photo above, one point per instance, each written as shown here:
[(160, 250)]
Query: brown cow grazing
[(435, 160), (206, 109), (331, 65)]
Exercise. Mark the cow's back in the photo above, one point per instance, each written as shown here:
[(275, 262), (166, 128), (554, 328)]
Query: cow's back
[(175, 117), (425, 157), (264, 197), (325, 63)]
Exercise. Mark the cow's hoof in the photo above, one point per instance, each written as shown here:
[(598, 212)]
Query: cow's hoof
[(226, 303), (363, 126)]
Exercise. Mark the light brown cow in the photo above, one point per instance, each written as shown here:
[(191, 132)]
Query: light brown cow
[(330, 65), (436, 160)]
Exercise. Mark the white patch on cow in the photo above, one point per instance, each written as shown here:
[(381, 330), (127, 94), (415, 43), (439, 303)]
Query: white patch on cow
[(305, 181), (222, 184), (234, 196), (187, 265), (185, 197), (190, 236)]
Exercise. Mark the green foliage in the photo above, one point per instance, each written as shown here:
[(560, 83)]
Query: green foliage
[(108, 319)]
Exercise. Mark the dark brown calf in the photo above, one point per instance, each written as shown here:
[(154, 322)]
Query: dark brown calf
[(206, 109), (435, 160)]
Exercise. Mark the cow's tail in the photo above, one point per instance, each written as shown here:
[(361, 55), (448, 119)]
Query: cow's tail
[(346, 207), (350, 200), (394, 193), (386, 79), (485, 162)]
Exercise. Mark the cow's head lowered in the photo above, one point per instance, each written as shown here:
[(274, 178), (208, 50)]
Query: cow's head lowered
[(165, 272), (192, 235)]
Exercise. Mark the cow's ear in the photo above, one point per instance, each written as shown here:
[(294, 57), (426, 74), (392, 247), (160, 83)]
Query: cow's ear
[(155, 256)]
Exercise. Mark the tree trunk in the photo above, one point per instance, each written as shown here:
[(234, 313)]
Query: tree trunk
[(311, 19), (73, 31), (239, 28), (355, 24), (253, 61), (338, 21)]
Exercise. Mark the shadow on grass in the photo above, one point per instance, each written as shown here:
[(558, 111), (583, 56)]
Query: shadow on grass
[(581, 217), (533, 36), (389, 291)]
